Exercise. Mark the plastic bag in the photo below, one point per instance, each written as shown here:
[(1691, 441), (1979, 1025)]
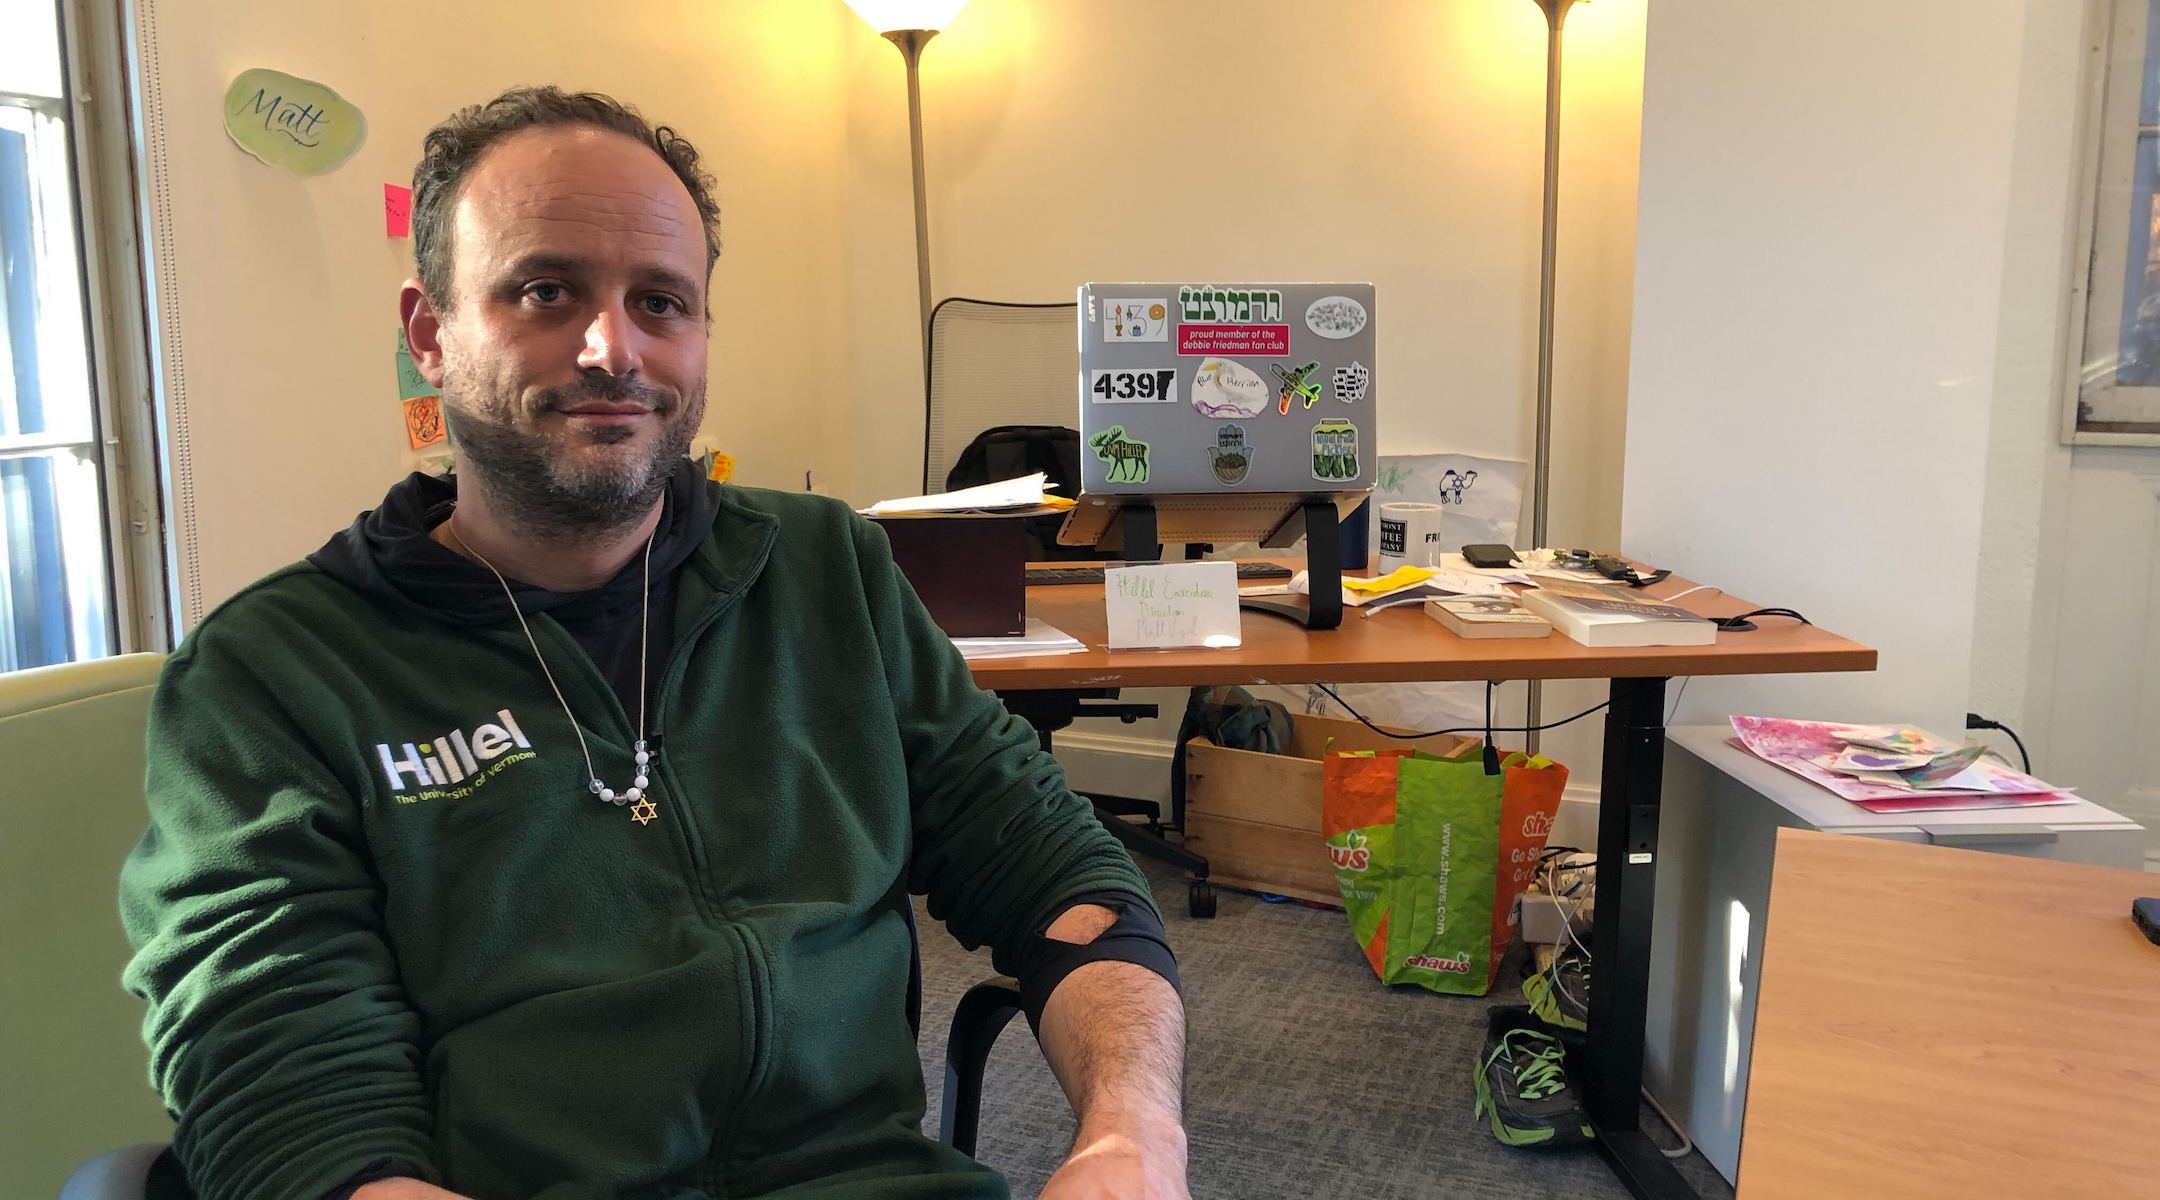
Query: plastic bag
[(1430, 854)]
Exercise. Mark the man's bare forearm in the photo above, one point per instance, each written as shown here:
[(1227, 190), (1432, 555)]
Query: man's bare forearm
[(1114, 1034)]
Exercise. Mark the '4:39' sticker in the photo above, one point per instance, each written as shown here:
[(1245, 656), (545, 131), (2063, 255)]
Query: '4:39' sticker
[(1122, 385)]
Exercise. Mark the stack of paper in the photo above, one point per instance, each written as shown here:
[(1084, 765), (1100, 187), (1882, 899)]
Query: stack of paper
[(1012, 497), (1403, 585), (1892, 768), (1041, 638)]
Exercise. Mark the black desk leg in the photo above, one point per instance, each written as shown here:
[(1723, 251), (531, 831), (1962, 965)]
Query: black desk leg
[(1628, 800)]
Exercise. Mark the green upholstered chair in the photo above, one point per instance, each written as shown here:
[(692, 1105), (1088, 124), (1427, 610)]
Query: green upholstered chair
[(73, 1076), (73, 1079)]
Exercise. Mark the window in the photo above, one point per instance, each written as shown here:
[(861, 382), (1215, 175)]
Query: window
[(2117, 399), (65, 580)]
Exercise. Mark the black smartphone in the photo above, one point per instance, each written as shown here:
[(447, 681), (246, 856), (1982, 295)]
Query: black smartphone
[(1489, 555), (2146, 913)]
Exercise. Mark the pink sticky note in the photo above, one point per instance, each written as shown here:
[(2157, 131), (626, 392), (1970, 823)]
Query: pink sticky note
[(397, 210)]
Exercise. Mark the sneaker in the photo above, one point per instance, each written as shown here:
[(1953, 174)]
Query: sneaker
[(1560, 994), (1522, 1084)]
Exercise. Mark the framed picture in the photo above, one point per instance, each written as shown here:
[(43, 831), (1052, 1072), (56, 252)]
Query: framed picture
[(2112, 396)]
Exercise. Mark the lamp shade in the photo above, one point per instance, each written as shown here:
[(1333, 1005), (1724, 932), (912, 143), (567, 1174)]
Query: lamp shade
[(885, 16)]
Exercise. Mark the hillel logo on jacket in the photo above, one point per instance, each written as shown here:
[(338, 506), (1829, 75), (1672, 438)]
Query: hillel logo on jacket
[(454, 756)]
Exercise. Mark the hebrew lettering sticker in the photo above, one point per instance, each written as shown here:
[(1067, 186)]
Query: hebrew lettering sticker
[(1216, 321), (1230, 457), (1228, 390), (1351, 382), (1297, 383), (1335, 451), (1136, 320), (1127, 458), (1336, 317)]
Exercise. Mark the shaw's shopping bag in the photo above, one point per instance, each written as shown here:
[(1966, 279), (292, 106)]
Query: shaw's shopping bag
[(1430, 854)]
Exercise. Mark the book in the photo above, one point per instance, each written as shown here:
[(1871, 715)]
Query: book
[(1613, 621), (1487, 617)]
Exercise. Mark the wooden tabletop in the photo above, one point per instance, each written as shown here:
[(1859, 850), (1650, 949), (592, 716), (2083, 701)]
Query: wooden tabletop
[(1403, 645), (1936, 1022)]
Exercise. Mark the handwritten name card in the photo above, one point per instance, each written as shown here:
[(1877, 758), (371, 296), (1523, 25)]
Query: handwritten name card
[(290, 122), (1172, 606)]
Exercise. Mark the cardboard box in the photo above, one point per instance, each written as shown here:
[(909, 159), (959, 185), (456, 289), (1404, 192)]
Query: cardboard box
[(1257, 816), (970, 569)]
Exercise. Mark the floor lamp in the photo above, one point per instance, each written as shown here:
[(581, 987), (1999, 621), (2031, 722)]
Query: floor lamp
[(1541, 466), (910, 24)]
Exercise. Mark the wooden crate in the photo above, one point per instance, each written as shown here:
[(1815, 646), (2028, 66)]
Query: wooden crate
[(1257, 816)]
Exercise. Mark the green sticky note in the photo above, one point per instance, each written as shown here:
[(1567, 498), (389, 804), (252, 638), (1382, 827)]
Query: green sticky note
[(410, 382), (290, 122)]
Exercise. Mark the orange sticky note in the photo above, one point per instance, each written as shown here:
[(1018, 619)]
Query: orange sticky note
[(397, 210), (423, 421)]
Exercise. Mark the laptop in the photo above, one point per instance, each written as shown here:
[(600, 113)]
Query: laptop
[(1227, 388)]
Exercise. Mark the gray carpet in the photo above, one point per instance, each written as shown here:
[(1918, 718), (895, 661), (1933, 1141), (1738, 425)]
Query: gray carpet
[(1306, 1077)]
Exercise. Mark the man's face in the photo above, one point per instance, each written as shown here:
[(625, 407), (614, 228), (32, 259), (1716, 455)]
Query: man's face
[(572, 355)]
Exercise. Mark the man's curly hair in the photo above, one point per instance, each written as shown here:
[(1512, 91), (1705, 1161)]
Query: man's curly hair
[(451, 148)]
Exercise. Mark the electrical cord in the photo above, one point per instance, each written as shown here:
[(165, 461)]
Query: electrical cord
[(1549, 868), (1488, 727), (1976, 721), (1742, 624), (1678, 696)]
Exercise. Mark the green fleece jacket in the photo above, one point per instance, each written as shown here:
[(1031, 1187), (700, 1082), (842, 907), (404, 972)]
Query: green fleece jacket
[(378, 915)]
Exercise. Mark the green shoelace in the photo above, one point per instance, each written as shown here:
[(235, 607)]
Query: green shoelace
[(1539, 1075)]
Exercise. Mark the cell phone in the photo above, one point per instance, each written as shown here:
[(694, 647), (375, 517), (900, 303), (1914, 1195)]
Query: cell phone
[(2146, 913), (1489, 555)]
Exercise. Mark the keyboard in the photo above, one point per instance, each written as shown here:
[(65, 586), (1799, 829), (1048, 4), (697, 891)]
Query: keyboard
[(1093, 572)]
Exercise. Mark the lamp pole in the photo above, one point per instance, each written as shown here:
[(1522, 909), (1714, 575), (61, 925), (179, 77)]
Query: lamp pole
[(911, 43), (1541, 468)]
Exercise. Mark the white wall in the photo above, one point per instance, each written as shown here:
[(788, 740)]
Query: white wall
[(1825, 191), (1397, 141), (286, 287), (2012, 648)]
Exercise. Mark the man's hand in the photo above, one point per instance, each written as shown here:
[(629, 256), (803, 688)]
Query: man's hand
[(1143, 1160), (403, 1189)]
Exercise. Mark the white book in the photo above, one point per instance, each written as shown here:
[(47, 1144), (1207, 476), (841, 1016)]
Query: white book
[(1616, 621)]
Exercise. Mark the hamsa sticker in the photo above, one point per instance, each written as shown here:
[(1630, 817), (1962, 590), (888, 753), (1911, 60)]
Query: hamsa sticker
[(1230, 457)]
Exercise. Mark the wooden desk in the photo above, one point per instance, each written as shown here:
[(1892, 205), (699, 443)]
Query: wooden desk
[(1939, 1022), (1403, 645)]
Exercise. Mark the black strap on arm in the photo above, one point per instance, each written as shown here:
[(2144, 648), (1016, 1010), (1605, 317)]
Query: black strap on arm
[(1136, 937)]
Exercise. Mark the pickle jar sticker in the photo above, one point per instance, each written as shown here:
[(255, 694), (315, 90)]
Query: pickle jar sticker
[(1335, 451)]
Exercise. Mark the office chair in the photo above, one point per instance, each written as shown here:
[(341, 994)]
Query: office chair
[(1001, 389)]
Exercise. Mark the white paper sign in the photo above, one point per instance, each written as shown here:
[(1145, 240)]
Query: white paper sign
[(1172, 606)]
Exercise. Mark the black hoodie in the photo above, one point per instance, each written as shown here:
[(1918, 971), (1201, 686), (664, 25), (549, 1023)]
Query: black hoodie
[(389, 552)]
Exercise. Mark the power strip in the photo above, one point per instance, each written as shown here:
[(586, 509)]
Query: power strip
[(1543, 919)]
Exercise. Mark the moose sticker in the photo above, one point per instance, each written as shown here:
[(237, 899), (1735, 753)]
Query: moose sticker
[(1127, 458), (1230, 457), (1335, 451)]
